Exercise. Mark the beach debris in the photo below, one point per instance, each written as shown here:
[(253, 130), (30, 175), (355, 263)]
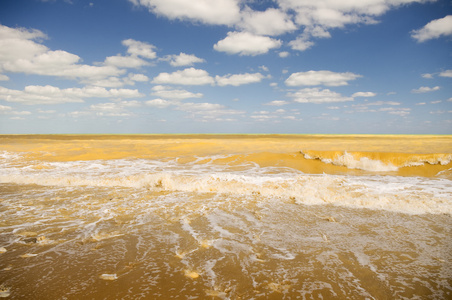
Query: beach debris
[(110, 277), (191, 274), (3, 250)]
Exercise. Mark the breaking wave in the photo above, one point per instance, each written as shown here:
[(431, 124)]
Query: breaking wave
[(402, 194), (377, 161)]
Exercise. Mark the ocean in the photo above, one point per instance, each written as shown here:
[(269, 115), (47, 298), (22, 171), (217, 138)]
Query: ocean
[(225, 217)]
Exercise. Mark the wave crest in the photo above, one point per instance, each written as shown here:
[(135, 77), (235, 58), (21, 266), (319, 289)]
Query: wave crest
[(377, 161)]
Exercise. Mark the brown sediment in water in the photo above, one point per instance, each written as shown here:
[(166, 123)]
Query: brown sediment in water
[(225, 217)]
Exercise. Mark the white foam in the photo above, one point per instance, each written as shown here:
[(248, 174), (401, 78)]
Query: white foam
[(403, 194), (364, 163), (372, 165)]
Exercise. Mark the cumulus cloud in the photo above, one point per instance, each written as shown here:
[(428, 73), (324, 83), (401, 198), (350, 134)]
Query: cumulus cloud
[(301, 43), (183, 59), (447, 73), (425, 89), (245, 43), (137, 48), (190, 76), (159, 103), (218, 12), (315, 17), (167, 92), (21, 51), (364, 94), (434, 29), (137, 51), (238, 79), (34, 94), (125, 61), (270, 22), (327, 78), (316, 95), (284, 54), (138, 77)]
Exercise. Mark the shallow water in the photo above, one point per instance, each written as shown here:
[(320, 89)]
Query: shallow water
[(222, 217)]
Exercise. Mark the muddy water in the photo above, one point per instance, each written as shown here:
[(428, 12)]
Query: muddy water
[(247, 217)]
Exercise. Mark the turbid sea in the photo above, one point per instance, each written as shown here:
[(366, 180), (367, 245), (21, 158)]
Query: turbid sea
[(225, 217)]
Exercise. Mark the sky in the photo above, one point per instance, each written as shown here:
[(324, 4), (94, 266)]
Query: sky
[(226, 66)]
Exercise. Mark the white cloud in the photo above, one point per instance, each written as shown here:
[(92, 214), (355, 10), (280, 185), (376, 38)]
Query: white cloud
[(219, 12), (397, 111), (137, 48), (34, 94), (206, 112), (108, 109), (159, 103), (113, 82), (125, 61), (245, 43), (138, 77), (21, 52), (167, 92), (364, 94), (190, 76), (277, 103), (4, 108), (316, 95), (382, 103), (197, 107), (317, 17), (7, 110), (427, 76), (318, 32), (183, 60), (447, 73), (270, 22), (114, 109), (327, 78), (425, 89), (333, 13), (301, 43), (20, 43), (284, 54), (434, 29), (238, 79)]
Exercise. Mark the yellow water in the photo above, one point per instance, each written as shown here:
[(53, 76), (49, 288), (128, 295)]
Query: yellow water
[(225, 217), (433, 153)]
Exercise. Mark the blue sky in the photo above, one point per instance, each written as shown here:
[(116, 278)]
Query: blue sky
[(226, 66)]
